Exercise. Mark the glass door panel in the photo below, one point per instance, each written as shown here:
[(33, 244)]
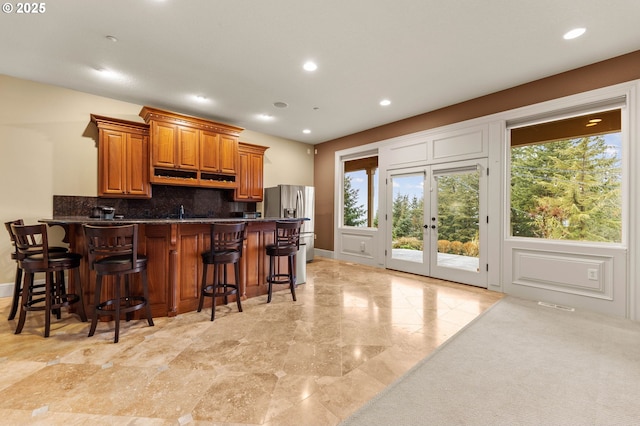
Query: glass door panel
[(406, 219), (436, 221), (457, 222)]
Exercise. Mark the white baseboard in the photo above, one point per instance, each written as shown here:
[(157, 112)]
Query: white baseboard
[(324, 253), (6, 289)]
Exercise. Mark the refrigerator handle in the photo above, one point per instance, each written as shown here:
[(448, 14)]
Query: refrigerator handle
[(298, 203)]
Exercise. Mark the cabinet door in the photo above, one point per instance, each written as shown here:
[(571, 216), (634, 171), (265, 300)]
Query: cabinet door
[(256, 184), (242, 191), (228, 154), (210, 151), (188, 147), (137, 170), (112, 162), (164, 145)]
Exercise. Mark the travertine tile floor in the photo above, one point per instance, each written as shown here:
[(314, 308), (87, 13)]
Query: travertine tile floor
[(353, 330)]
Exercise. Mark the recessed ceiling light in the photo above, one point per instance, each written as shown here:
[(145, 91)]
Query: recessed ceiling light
[(385, 102), (280, 104), (574, 33), (306, 131), (310, 66), (265, 117), (109, 74)]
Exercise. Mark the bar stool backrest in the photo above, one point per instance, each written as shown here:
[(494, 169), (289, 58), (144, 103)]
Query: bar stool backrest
[(12, 236), (228, 237), (112, 248), (31, 241), (287, 235)]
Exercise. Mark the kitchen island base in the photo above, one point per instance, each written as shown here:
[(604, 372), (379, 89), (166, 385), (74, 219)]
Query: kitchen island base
[(173, 250)]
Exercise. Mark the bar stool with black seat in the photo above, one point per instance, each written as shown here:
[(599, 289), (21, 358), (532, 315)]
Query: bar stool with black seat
[(34, 256), (227, 240), (113, 250), (38, 289), (287, 243)]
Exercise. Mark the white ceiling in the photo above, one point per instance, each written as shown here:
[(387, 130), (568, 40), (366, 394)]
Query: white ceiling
[(244, 55)]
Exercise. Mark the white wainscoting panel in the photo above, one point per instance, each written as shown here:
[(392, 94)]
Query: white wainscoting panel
[(579, 274), (407, 154), (460, 145), (358, 244)]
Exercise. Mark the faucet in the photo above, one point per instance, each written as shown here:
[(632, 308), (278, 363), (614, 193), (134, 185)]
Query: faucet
[(181, 212)]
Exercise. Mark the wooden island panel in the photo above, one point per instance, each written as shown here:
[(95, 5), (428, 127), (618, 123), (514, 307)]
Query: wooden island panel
[(154, 243), (174, 267)]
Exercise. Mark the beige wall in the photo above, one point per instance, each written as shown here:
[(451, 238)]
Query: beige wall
[(613, 71), (47, 147), (286, 161)]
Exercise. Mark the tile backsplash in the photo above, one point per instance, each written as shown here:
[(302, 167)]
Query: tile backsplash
[(166, 202)]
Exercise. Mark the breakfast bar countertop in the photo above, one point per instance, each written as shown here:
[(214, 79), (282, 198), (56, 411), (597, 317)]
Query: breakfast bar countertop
[(65, 220)]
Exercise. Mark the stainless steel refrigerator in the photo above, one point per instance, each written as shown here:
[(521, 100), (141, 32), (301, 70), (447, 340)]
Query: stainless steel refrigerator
[(293, 201)]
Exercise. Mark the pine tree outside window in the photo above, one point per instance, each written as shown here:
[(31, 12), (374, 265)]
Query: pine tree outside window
[(566, 179), (360, 197)]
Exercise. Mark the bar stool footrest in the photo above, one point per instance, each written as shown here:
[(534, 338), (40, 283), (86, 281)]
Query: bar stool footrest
[(62, 301), (208, 291), (278, 279), (125, 305)]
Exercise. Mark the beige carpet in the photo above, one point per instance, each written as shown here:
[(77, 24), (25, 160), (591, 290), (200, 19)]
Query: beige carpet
[(521, 364)]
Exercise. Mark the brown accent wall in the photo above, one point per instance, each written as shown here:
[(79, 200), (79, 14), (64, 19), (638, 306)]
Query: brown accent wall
[(601, 74)]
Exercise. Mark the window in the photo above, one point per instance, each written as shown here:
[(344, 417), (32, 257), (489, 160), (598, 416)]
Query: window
[(360, 197), (566, 179)]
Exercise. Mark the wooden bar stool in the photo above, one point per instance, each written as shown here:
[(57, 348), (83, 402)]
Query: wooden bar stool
[(113, 250), (38, 289), (227, 240), (287, 243), (33, 256)]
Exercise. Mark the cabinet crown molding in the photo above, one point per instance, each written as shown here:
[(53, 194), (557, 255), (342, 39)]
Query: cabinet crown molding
[(109, 122), (252, 147), (153, 114)]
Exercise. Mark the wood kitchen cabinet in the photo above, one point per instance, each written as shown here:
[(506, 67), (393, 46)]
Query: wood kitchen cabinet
[(250, 173), (123, 158), (175, 147), (191, 151), (218, 153)]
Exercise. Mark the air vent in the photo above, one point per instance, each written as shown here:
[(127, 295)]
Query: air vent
[(554, 306)]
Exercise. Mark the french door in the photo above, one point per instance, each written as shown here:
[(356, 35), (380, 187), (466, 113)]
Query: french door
[(437, 221)]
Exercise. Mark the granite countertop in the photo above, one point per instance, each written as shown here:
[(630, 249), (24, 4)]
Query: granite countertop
[(63, 220)]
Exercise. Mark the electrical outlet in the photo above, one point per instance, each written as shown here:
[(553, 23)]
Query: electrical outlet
[(592, 274), (362, 246)]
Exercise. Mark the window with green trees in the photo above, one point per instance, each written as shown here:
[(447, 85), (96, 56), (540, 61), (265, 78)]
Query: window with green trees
[(566, 179), (360, 194)]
